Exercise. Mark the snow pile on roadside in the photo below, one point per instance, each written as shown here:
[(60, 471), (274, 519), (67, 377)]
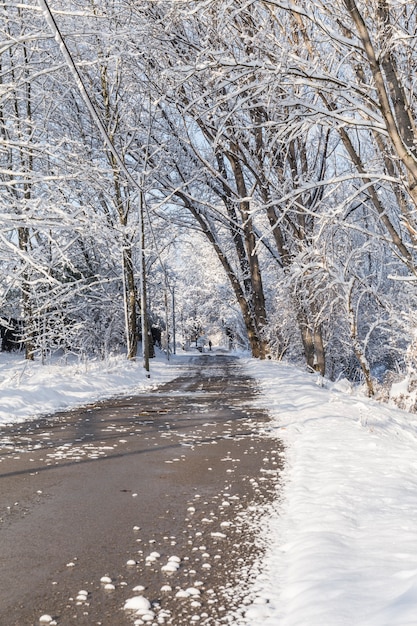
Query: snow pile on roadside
[(29, 389), (342, 545)]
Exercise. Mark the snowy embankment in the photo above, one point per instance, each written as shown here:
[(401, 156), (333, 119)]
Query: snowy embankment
[(341, 542), (29, 389)]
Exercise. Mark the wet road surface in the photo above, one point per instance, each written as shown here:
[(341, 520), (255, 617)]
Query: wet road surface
[(118, 488)]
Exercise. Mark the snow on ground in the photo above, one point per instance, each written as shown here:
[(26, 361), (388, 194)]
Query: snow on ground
[(341, 539), (341, 542), (29, 389)]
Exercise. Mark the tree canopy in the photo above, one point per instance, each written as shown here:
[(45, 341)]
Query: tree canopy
[(253, 164)]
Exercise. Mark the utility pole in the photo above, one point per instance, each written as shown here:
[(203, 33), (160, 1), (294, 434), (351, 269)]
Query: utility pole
[(174, 342), (166, 315)]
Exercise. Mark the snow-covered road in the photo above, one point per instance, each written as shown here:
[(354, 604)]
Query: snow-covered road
[(139, 509)]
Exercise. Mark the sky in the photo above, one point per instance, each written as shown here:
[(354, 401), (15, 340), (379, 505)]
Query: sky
[(338, 545)]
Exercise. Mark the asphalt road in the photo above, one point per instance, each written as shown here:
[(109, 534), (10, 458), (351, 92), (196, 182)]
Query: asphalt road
[(182, 471)]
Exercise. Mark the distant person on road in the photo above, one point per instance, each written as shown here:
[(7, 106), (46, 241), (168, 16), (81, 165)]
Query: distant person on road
[(210, 344)]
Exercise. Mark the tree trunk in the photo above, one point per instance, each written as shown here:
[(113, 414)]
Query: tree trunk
[(396, 115), (258, 298), (312, 339), (258, 345), (26, 299), (359, 352), (131, 300)]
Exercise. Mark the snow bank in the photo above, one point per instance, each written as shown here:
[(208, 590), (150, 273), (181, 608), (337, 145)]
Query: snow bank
[(342, 543), (29, 389)]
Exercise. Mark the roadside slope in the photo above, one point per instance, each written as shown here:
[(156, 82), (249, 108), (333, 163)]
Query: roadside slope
[(342, 543)]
